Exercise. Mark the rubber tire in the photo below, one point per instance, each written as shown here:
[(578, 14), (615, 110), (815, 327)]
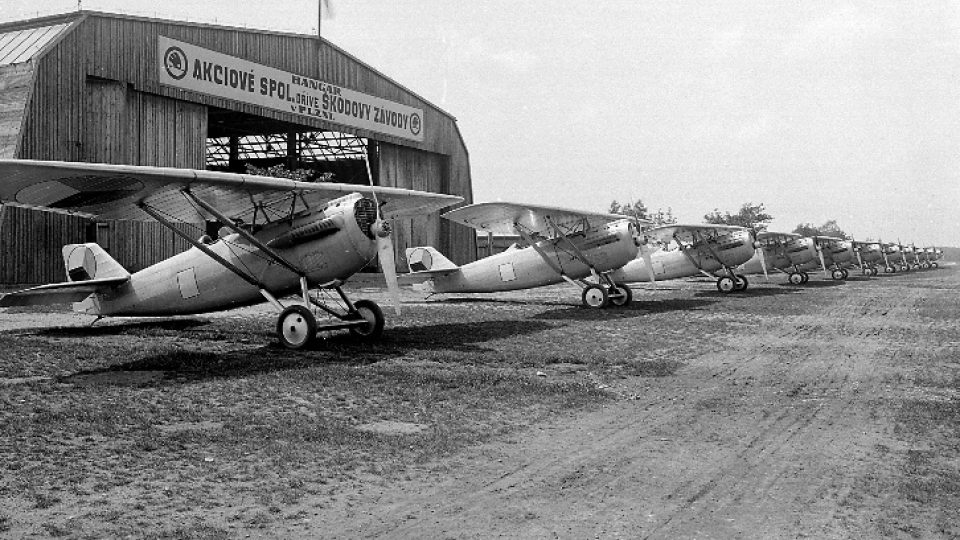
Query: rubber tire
[(742, 282), (934, 265), (837, 275), (622, 300), (371, 312), (806, 277), (296, 327), (795, 278), (726, 285), (595, 296), (846, 274)]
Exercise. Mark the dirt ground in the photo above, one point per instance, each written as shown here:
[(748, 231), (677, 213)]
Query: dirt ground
[(824, 411)]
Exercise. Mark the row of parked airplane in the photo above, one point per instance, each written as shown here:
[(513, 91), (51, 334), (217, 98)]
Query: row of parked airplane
[(284, 237), (603, 253)]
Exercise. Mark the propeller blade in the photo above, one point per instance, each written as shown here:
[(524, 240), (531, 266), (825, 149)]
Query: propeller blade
[(388, 265), (645, 253), (763, 262), (822, 262)]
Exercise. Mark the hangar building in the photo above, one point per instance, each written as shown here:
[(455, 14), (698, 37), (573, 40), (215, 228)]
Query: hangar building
[(100, 87)]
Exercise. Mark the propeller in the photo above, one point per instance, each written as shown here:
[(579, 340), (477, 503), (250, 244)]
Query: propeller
[(381, 232), (642, 241), (823, 263), (758, 248)]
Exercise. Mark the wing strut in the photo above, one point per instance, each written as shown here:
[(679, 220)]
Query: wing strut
[(533, 243), (244, 233), (562, 236), (209, 252)]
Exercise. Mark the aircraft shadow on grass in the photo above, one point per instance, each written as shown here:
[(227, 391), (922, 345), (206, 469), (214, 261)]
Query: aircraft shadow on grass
[(129, 327), (339, 349), (637, 308), (755, 292), (814, 284)]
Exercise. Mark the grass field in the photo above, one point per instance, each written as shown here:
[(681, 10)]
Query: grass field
[(205, 428)]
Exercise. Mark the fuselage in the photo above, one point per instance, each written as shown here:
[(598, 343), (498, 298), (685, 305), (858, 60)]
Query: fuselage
[(786, 256), (727, 250), (870, 253), (329, 244), (605, 248)]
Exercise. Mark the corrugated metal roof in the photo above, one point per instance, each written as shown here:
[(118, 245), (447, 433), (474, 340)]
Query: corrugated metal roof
[(18, 46)]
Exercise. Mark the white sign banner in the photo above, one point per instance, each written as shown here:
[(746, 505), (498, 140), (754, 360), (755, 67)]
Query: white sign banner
[(189, 67)]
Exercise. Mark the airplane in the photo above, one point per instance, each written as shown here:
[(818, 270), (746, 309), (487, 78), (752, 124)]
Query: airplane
[(788, 253), (869, 256), (834, 254), (578, 247), (690, 250), (930, 256), (890, 253), (280, 236)]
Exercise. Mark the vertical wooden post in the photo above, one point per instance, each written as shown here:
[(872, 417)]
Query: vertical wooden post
[(489, 244)]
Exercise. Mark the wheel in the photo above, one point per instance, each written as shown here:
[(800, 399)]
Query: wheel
[(916, 266), (595, 296), (837, 275), (796, 278), (846, 274), (874, 272), (925, 266), (369, 311), (806, 277), (934, 265), (904, 268), (296, 327), (742, 282), (888, 270), (726, 285), (621, 295)]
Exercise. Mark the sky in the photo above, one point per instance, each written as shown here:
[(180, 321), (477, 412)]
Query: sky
[(818, 110)]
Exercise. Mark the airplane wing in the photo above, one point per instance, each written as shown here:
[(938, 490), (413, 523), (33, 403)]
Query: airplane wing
[(113, 191), (61, 293), (689, 233), (500, 218)]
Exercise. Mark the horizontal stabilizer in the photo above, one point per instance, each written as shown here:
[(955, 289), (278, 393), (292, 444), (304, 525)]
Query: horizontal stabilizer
[(428, 259), (61, 293)]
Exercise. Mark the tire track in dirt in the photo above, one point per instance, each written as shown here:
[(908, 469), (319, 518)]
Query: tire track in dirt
[(765, 438)]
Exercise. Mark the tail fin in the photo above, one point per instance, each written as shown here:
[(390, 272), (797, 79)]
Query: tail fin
[(426, 259), (85, 262)]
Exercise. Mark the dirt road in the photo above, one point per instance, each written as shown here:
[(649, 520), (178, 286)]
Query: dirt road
[(824, 411), (793, 428)]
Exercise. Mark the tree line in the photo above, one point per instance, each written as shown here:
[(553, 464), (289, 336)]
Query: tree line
[(752, 216)]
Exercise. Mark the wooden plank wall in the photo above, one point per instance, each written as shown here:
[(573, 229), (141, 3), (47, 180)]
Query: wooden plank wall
[(16, 82), (30, 245), (30, 242), (139, 244)]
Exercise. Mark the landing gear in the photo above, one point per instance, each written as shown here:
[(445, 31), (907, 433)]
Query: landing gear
[(837, 275), (904, 268), (846, 274), (742, 282), (925, 266), (727, 285), (806, 277), (620, 295), (796, 278), (296, 327), (595, 296), (934, 265), (889, 270), (371, 313)]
